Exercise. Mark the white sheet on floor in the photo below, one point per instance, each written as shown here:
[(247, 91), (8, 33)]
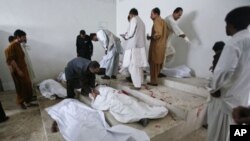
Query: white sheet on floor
[(50, 89), (61, 77), (124, 108), (178, 72), (78, 122)]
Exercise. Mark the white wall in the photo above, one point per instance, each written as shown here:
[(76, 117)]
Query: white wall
[(202, 21), (52, 27)]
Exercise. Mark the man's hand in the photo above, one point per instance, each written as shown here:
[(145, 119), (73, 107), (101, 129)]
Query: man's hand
[(11, 69), (20, 73), (241, 115), (149, 37), (182, 35), (123, 36), (94, 93), (216, 94)]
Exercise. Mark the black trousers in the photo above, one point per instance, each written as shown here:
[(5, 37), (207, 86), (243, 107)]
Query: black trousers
[(71, 85), (2, 113), (76, 84)]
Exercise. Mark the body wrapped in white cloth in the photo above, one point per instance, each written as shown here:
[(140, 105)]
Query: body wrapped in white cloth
[(124, 108)]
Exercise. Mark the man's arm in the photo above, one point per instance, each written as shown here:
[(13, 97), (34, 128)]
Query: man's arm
[(176, 29), (77, 45), (158, 28), (131, 30), (103, 38), (90, 47), (10, 59)]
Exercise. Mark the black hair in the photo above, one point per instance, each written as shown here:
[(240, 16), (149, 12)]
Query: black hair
[(177, 10), (94, 65), (11, 38), (239, 17), (218, 46), (92, 35), (19, 33), (156, 10), (82, 32), (128, 18), (133, 11)]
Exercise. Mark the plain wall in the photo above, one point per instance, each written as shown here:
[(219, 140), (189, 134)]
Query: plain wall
[(52, 27), (202, 21)]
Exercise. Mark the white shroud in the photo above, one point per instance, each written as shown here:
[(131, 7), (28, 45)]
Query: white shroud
[(124, 108), (78, 122)]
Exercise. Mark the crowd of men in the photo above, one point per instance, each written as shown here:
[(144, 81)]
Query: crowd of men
[(229, 85)]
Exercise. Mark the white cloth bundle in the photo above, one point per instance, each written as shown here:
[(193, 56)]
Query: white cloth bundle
[(178, 72), (61, 77), (49, 88), (124, 108)]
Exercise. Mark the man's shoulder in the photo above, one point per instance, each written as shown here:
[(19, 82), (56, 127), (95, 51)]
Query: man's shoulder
[(13, 45)]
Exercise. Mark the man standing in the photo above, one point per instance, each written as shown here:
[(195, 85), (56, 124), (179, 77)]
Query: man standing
[(159, 36), (15, 59), (230, 83), (112, 46), (84, 46), (80, 73), (173, 30), (135, 52)]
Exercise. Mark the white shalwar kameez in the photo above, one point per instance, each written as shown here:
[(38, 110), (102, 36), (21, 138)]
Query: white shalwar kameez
[(173, 29), (112, 45), (124, 108), (135, 58), (232, 78)]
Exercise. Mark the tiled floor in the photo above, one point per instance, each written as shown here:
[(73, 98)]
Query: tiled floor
[(198, 135), (23, 125)]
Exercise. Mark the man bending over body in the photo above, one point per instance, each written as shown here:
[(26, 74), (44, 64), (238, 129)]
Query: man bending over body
[(112, 46), (80, 73)]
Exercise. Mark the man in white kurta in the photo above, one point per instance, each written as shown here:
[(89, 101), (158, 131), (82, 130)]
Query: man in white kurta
[(231, 80), (135, 50), (174, 30), (113, 49)]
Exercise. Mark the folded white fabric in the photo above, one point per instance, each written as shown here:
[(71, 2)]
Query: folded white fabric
[(178, 72), (78, 122), (49, 88), (124, 108), (61, 77)]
